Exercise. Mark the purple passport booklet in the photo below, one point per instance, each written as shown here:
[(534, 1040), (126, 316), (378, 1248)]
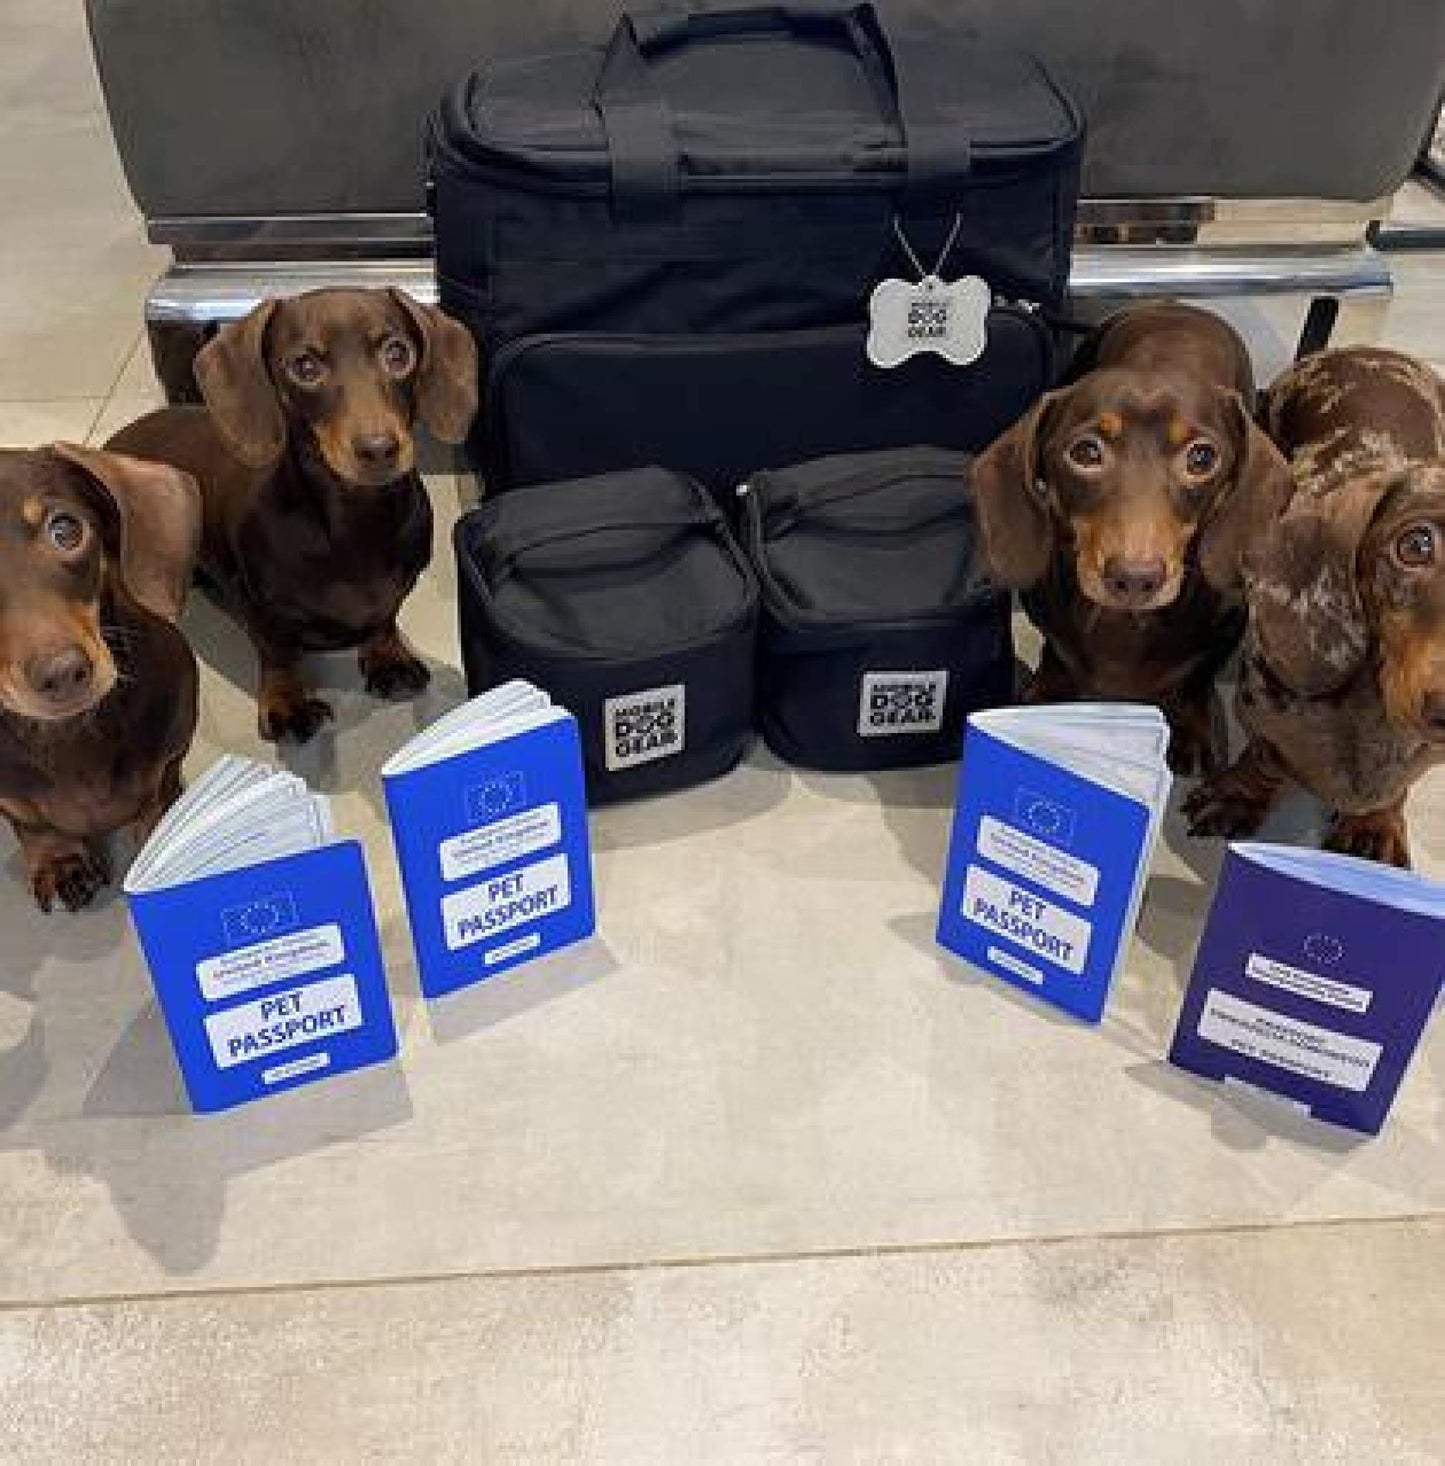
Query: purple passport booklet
[(1314, 980)]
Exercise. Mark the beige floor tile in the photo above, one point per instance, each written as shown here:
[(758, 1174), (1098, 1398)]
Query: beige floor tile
[(1300, 1346), (1419, 205), (136, 393), (1415, 317), (74, 263), (27, 424)]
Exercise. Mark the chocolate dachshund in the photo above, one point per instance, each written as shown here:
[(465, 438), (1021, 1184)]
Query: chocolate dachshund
[(317, 524)]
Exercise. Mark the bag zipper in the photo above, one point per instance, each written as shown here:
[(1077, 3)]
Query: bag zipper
[(501, 363), (841, 627), (500, 623), (503, 360)]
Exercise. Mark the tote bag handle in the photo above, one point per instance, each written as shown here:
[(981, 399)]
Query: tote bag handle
[(645, 160)]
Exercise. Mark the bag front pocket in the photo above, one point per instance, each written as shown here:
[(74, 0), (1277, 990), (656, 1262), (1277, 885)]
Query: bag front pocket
[(719, 407)]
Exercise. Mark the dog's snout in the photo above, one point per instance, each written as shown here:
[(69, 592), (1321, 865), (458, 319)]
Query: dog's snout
[(1135, 580), (61, 677), (377, 451)]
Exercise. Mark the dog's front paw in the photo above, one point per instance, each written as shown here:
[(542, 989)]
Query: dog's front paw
[(392, 671), (1219, 807), (1198, 738), (72, 879), (292, 713), (1381, 836), (1193, 752)]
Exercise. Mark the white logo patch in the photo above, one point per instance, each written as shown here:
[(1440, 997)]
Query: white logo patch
[(901, 702), (644, 726)]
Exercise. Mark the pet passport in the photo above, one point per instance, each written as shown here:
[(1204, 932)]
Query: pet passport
[(1314, 980), (489, 817), (258, 927), (1058, 812)]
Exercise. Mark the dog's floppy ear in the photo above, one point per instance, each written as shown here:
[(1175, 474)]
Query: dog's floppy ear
[(232, 375), (1011, 503), (155, 513), (1256, 496), (446, 380), (1304, 589)]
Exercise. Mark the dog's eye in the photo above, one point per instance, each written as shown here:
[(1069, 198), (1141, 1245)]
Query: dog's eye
[(1417, 545), (306, 368), (65, 531), (1201, 457), (1086, 452), (397, 356)]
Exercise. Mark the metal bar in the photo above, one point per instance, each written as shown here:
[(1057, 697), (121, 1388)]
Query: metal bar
[(1127, 272), (216, 231), (193, 294), (188, 294)]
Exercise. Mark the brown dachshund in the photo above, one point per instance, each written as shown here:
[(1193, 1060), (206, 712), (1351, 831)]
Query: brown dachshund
[(317, 523), (1342, 685), (1120, 506), (97, 685)]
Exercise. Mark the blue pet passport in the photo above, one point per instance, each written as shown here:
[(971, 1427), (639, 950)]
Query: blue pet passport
[(258, 927), (1058, 811), (1314, 980), (489, 816)]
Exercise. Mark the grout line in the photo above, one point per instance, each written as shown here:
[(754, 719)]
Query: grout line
[(52, 401), (545, 1272), (115, 382)]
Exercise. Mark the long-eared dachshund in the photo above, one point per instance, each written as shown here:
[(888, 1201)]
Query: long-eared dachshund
[(317, 523), (1342, 682), (1120, 506), (97, 684)]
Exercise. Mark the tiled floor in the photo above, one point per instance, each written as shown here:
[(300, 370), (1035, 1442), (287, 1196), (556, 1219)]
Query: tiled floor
[(758, 1177)]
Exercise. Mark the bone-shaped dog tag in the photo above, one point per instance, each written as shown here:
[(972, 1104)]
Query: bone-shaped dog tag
[(949, 318)]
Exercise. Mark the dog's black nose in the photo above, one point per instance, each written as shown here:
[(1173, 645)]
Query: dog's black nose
[(378, 451), (1135, 580), (62, 676), (1435, 712)]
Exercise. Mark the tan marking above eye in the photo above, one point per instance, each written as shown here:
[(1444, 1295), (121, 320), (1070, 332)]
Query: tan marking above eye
[(1111, 424), (33, 513), (1180, 432)]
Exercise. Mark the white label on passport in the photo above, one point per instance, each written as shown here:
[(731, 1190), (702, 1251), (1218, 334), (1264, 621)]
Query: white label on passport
[(503, 840), (281, 1021), (1330, 990), (1056, 870), (644, 726), (1046, 930), (495, 906), (901, 702), (1288, 1043), (263, 963)]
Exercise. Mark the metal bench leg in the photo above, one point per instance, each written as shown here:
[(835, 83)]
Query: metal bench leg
[(173, 352), (1350, 320), (1320, 318)]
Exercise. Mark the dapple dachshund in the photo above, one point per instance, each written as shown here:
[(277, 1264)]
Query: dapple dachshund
[(1120, 506), (317, 523), (1342, 687), (97, 684)]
